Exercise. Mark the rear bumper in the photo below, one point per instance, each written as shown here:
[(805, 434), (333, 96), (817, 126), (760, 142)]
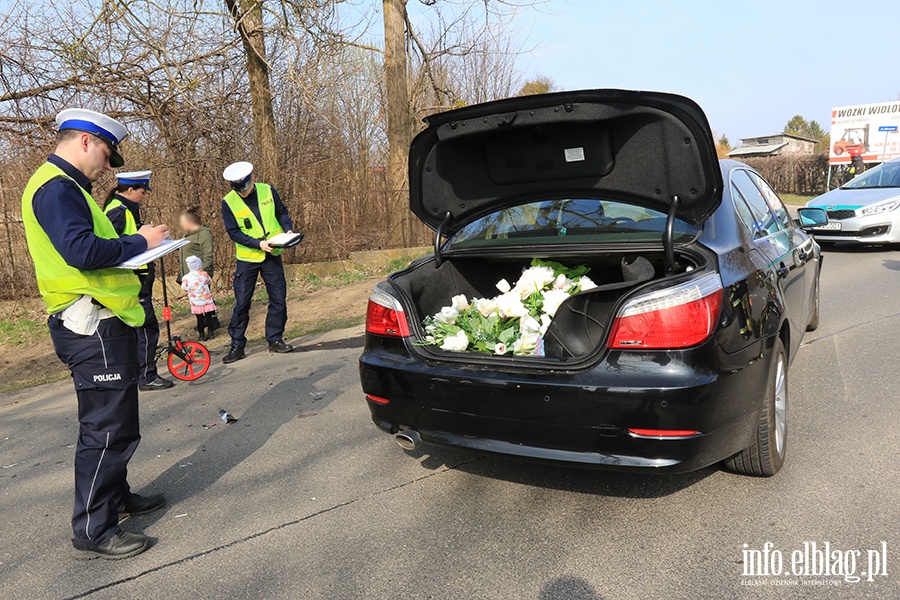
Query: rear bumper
[(580, 418)]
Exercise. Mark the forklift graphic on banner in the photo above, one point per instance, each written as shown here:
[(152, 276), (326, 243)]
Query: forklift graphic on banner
[(855, 141)]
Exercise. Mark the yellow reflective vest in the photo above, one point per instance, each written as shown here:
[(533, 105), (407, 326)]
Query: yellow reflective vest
[(130, 224), (251, 226), (61, 284)]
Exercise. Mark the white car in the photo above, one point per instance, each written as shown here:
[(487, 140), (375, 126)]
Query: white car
[(865, 210)]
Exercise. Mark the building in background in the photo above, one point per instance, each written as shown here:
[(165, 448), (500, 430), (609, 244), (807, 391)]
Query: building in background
[(773, 145)]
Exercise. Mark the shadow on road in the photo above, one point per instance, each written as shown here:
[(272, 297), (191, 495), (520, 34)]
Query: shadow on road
[(356, 342), (854, 248), (233, 443), (893, 265), (569, 587), (560, 477)]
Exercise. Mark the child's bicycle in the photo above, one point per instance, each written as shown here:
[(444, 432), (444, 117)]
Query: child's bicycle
[(188, 361)]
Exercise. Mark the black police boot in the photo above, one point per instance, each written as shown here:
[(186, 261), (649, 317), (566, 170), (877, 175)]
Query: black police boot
[(160, 383), (280, 347), (235, 353), (141, 505), (122, 545)]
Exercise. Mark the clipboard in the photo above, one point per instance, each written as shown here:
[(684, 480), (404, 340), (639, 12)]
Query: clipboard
[(149, 256), (285, 240)]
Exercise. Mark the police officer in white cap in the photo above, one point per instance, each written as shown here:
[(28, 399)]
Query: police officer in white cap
[(253, 213), (93, 310), (123, 207)]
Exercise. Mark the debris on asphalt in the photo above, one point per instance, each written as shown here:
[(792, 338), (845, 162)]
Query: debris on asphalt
[(9, 466), (317, 395), (187, 464), (223, 414), (209, 425), (181, 515)]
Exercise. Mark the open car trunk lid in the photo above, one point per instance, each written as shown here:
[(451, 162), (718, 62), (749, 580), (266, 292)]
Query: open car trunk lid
[(645, 148)]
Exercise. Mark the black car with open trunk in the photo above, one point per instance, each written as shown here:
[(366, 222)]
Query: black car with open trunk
[(678, 357)]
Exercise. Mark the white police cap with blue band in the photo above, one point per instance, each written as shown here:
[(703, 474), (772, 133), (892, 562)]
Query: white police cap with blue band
[(238, 175), (237, 172), (135, 178), (106, 128)]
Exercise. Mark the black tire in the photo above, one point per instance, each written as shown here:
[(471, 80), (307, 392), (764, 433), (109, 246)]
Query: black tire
[(765, 456), (814, 318)]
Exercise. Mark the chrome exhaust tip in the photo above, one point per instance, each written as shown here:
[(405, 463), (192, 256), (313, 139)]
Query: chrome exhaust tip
[(408, 439)]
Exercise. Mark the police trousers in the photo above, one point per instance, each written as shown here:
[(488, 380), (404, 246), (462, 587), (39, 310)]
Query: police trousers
[(105, 376), (245, 275), (148, 335)]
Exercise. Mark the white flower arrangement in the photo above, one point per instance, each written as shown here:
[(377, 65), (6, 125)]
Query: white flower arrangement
[(513, 322)]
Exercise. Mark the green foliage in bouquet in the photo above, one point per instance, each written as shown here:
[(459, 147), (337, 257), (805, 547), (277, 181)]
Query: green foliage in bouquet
[(513, 322)]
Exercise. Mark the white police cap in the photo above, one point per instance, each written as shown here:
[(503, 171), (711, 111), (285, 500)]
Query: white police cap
[(106, 128), (135, 178), (237, 172)]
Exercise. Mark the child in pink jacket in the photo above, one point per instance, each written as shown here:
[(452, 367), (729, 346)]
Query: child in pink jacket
[(196, 283)]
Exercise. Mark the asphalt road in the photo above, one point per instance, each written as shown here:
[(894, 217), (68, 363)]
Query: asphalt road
[(304, 498)]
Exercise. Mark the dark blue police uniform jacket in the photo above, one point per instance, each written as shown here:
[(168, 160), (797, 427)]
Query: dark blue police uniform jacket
[(103, 365), (246, 273)]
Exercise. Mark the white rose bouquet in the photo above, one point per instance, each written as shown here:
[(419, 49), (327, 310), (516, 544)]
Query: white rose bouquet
[(514, 321)]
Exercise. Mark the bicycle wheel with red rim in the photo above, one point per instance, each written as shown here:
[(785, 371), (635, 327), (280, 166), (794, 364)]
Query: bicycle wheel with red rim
[(194, 365)]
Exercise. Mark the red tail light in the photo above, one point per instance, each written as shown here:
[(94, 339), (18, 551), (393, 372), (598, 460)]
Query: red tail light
[(385, 316), (660, 434), (377, 399), (677, 317)]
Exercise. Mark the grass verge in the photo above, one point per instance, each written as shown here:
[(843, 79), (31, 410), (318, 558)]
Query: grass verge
[(795, 199), (19, 330)]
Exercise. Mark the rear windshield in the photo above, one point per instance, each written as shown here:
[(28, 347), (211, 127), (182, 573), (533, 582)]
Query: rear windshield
[(569, 221)]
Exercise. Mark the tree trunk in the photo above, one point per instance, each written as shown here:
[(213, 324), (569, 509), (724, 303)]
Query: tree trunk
[(248, 18), (399, 130)]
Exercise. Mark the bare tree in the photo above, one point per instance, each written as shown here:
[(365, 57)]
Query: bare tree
[(248, 20), (317, 115), (399, 131)]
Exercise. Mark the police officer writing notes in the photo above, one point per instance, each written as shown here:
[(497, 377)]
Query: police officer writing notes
[(253, 213), (93, 311), (123, 207)]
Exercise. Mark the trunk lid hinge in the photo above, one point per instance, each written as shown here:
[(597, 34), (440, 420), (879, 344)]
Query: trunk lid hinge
[(669, 238), (438, 233)]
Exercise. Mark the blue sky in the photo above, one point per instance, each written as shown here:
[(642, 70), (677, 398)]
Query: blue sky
[(750, 65)]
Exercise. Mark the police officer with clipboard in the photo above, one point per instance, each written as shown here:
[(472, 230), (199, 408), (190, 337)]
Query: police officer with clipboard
[(253, 213), (123, 208), (93, 311)]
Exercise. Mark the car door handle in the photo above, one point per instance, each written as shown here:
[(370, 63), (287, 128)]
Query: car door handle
[(782, 272), (802, 256)]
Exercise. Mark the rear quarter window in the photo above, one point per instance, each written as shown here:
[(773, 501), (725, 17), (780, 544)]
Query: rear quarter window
[(772, 199), (764, 221)]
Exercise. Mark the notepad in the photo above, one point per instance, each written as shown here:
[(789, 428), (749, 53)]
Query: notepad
[(150, 255), (285, 240)]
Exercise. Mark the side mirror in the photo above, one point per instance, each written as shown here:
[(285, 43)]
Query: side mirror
[(810, 218)]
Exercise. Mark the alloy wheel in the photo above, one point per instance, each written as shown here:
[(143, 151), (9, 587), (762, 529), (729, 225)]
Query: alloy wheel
[(780, 405)]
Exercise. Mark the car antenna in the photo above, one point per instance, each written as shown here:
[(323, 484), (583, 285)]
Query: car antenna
[(669, 237), (438, 233)]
